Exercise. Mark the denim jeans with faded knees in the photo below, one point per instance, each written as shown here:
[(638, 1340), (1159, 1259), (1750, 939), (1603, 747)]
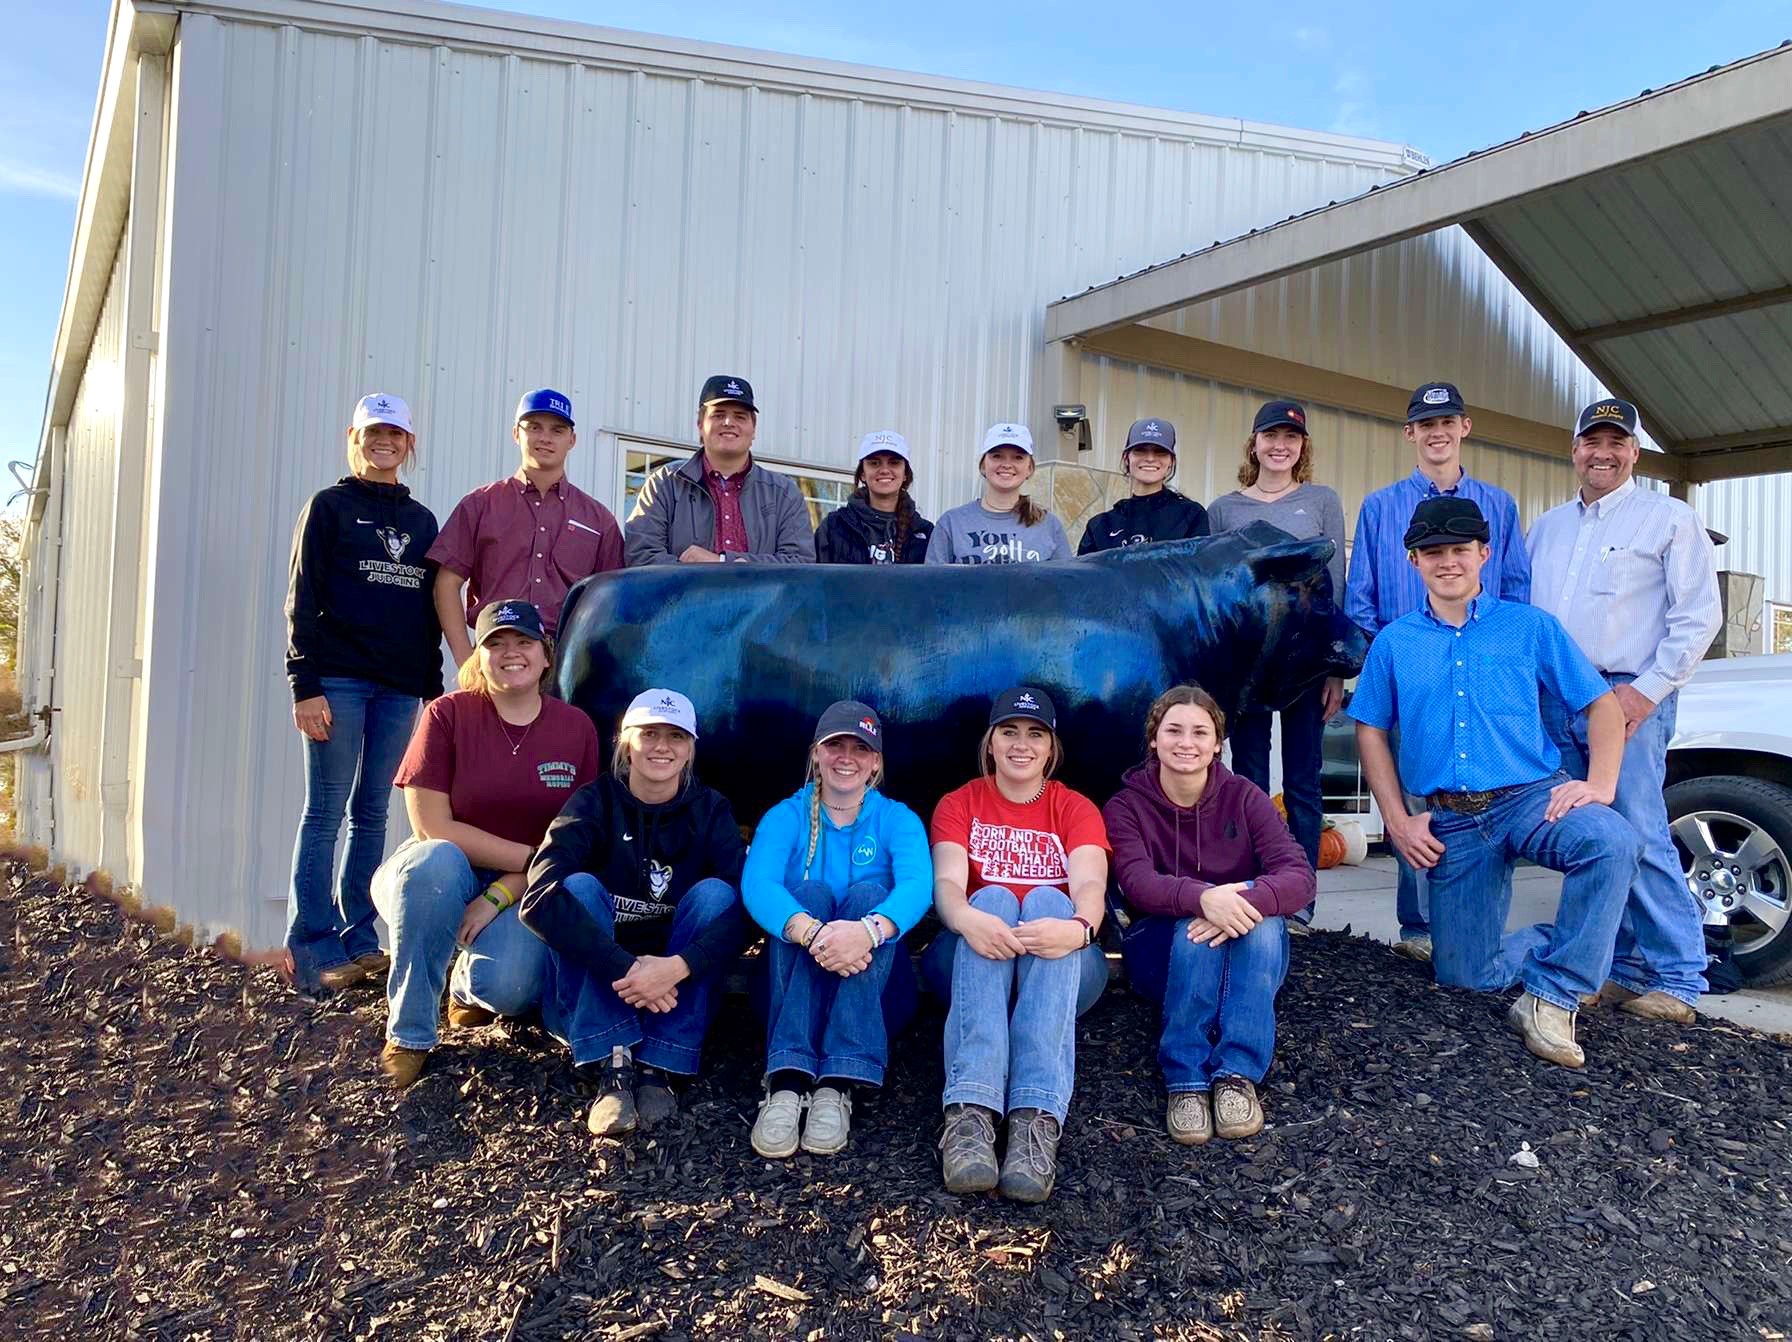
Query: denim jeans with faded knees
[(1412, 902), (1011, 1029), (821, 1024), (422, 891), (582, 1010), (1593, 847), (1303, 739), (370, 727), (1219, 1002), (1661, 938)]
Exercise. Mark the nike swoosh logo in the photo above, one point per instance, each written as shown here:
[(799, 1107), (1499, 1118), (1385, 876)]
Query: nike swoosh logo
[(1116, 533), (628, 838), (362, 522)]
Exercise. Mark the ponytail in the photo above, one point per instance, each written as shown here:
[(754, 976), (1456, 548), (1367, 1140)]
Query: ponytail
[(1028, 513)]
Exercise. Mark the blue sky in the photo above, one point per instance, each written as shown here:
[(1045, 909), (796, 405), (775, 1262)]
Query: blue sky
[(1443, 77)]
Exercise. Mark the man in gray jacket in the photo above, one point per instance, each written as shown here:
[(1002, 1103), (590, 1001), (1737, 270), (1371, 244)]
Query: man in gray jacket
[(716, 506)]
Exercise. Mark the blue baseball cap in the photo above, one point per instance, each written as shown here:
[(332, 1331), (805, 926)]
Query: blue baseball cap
[(544, 401), (1620, 414), (1435, 400)]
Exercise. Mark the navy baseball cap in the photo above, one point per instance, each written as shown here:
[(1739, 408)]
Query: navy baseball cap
[(1159, 433), (723, 387), (1444, 520), (849, 717), (1619, 414), (496, 616), (544, 401), (1023, 701), (1280, 415), (1434, 400)]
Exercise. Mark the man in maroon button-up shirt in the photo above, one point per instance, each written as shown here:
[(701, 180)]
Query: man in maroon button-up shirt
[(530, 536)]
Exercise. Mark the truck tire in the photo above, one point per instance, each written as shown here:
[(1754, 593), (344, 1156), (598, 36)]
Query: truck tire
[(1748, 820)]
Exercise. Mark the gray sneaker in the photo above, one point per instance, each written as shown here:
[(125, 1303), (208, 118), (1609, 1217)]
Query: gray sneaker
[(829, 1123), (968, 1149), (1189, 1119), (655, 1100), (1547, 1030), (775, 1131), (613, 1111), (1030, 1167), (1416, 947)]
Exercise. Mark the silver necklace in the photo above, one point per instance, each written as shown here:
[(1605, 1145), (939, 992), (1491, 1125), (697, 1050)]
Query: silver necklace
[(504, 727)]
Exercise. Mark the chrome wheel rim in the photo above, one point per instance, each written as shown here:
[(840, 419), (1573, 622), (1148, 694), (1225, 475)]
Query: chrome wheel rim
[(1738, 872)]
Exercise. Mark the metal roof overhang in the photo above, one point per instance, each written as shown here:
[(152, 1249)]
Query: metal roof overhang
[(1654, 235)]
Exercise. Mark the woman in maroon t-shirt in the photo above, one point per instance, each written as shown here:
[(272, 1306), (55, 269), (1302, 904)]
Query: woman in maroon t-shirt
[(488, 767), (1020, 874)]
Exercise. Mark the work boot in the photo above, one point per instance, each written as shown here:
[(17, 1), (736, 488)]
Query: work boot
[(402, 1065), (467, 1016), (1416, 947), (345, 975), (1030, 1166), (1237, 1112), (968, 1149), (1189, 1119), (829, 1125), (655, 1100), (1547, 1030), (374, 964), (776, 1132), (1652, 1005), (613, 1112)]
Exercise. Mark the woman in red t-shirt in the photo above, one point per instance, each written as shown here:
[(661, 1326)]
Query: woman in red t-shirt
[(488, 767), (1020, 870)]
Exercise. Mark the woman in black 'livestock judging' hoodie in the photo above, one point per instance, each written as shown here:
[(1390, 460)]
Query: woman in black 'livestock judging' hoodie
[(636, 891), (879, 524), (1154, 512), (363, 648)]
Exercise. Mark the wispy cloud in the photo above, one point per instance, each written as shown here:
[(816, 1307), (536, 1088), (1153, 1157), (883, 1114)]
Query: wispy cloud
[(27, 180), (1355, 114), (1312, 39)]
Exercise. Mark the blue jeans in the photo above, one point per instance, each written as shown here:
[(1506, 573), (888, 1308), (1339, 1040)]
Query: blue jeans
[(1412, 902), (370, 727), (582, 1010), (1303, 735), (821, 1024), (1661, 937), (1593, 847), (1011, 1028), (422, 891), (1219, 1002)]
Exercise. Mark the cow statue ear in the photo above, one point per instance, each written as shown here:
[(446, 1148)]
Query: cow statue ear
[(1287, 560)]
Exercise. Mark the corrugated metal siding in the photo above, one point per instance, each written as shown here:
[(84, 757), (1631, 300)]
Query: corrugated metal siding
[(89, 482), (1756, 514), (393, 217)]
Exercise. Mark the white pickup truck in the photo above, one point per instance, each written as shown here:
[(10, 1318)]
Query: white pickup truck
[(1729, 795)]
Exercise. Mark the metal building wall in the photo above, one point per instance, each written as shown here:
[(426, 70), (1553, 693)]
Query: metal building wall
[(457, 224), (1756, 514)]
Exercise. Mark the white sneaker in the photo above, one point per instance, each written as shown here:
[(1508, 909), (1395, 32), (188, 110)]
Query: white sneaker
[(829, 1123), (775, 1130)]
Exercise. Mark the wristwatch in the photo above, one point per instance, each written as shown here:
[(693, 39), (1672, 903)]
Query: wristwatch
[(1088, 929)]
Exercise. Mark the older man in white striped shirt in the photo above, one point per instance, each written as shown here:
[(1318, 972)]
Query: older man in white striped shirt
[(1632, 575)]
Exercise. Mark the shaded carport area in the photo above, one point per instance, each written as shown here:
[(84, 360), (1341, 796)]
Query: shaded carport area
[(1654, 236)]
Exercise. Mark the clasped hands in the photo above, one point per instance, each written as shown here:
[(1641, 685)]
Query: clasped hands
[(842, 947), (1048, 938), (1225, 915), (651, 983)]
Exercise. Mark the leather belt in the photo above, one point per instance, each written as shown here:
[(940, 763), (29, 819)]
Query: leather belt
[(1469, 803)]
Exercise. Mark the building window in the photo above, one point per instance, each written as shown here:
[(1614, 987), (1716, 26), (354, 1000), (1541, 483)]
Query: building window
[(822, 490), (1780, 627)]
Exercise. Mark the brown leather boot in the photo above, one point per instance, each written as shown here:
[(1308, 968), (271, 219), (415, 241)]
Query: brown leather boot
[(402, 1065)]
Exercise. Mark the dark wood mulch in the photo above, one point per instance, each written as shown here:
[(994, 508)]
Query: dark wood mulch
[(188, 1150)]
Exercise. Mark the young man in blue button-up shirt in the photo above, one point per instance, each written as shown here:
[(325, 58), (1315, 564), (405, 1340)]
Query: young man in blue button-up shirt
[(1460, 678)]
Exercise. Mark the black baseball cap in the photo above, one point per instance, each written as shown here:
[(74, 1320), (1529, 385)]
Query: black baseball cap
[(521, 616), (726, 387), (1444, 520), (1279, 415), (1023, 701), (1434, 400), (1619, 414), (1159, 433), (849, 717)]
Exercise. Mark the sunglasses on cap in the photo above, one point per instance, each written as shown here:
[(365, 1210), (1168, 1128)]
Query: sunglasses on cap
[(1464, 528)]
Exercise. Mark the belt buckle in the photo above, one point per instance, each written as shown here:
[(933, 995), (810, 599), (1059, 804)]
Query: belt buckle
[(1465, 803)]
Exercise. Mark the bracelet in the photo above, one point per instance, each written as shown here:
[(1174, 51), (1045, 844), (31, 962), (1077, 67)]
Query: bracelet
[(876, 933), (814, 932), (1088, 928)]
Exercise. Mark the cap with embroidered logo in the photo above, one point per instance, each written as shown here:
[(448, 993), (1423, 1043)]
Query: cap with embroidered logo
[(884, 440), (381, 408), (849, 717), (661, 706), (726, 387), (1619, 414), (1007, 435), (497, 616), (1434, 400), (1024, 701), (544, 401), (1159, 433), (1280, 415)]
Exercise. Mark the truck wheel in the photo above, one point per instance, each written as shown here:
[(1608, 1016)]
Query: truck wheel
[(1734, 836)]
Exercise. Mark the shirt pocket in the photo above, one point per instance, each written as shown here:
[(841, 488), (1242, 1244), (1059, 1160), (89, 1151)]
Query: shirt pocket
[(1502, 688), (575, 551), (1622, 571)]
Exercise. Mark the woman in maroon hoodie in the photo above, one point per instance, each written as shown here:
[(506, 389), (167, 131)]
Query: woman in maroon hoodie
[(1209, 873)]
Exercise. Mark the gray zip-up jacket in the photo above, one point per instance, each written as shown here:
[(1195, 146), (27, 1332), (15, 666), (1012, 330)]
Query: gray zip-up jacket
[(674, 510)]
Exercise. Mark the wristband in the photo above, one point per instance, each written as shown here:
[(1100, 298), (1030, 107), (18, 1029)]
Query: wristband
[(499, 904), (872, 930), (1088, 928), (814, 932)]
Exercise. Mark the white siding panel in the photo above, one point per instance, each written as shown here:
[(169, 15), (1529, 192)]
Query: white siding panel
[(1756, 514)]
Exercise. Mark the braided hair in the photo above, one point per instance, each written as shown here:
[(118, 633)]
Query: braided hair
[(905, 503), (812, 781)]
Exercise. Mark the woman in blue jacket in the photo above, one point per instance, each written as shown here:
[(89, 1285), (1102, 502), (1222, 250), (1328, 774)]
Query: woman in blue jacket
[(836, 875)]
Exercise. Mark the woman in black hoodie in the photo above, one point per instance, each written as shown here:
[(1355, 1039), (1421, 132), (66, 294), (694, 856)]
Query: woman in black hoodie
[(1154, 512), (879, 524), (636, 891), (363, 647)]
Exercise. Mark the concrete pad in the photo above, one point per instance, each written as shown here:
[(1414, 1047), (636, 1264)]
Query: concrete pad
[(1362, 898)]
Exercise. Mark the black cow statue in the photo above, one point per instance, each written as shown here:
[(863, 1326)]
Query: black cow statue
[(761, 649)]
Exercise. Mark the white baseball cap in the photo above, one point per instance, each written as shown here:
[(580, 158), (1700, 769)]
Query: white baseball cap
[(380, 408), (1007, 435), (661, 706), (884, 440)]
